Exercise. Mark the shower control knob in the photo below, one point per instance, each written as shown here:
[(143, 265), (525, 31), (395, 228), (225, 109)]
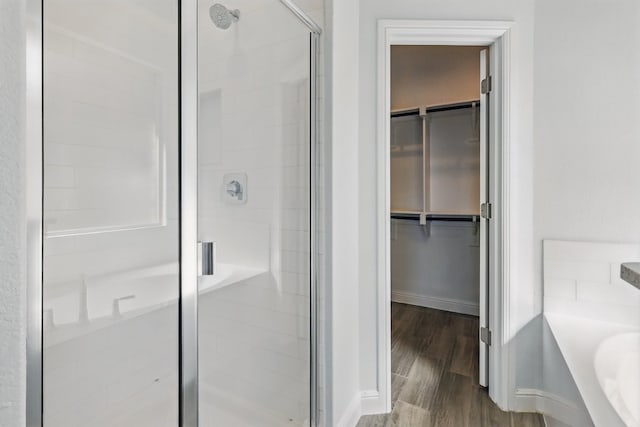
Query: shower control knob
[(234, 189)]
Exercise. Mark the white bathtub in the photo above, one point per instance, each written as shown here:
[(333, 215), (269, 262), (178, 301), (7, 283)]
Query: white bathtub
[(617, 365), (595, 352), (593, 315), (74, 309)]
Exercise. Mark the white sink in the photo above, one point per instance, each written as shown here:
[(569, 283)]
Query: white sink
[(617, 365)]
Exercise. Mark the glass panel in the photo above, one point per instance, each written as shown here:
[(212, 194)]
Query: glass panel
[(111, 282), (454, 156), (406, 163), (254, 200)]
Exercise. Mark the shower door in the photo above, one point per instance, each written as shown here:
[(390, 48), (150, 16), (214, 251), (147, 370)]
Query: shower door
[(110, 283), (166, 123), (255, 93)]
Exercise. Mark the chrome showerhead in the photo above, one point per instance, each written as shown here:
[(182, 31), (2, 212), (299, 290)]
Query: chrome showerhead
[(223, 17)]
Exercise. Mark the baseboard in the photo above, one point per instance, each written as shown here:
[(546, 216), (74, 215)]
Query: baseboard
[(447, 304), (372, 403), (351, 414), (557, 410)]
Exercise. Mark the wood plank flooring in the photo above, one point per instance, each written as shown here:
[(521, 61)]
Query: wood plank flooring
[(434, 374)]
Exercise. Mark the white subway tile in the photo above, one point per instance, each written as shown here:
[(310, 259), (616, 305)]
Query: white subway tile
[(560, 288)]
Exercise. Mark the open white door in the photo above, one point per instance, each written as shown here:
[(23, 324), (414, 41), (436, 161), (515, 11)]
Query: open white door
[(484, 333)]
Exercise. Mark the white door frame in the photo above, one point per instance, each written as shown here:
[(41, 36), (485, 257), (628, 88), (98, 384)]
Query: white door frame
[(475, 33)]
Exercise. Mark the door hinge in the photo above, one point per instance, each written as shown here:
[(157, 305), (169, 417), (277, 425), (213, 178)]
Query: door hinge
[(486, 210), (485, 85), (485, 335)]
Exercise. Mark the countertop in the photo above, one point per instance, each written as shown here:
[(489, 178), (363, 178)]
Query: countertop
[(630, 272)]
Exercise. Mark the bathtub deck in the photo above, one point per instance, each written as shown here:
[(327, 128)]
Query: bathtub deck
[(434, 374)]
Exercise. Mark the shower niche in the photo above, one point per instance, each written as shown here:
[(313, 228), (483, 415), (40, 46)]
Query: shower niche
[(108, 133)]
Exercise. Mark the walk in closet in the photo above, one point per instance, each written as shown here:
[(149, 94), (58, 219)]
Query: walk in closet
[(435, 177)]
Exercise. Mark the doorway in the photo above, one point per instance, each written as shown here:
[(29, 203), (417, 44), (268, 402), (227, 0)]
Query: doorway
[(495, 35), (438, 179)]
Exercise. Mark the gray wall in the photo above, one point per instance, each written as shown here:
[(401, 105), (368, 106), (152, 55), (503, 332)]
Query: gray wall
[(12, 223), (436, 265)]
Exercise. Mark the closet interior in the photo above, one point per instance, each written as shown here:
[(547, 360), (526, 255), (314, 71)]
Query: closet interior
[(435, 177)]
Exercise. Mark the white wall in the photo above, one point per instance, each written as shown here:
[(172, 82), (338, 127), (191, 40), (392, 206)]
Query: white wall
[(12, 219), (341, 37), (521, 12), (587, 80), (587, 141)]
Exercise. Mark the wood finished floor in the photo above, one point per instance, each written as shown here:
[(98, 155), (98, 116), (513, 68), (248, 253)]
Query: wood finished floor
[(434, 374)]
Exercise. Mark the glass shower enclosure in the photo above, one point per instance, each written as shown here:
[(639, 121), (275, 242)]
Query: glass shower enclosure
[(178, 281), (254, 213)]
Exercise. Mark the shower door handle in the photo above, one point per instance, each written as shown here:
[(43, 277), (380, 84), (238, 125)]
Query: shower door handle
[(207, 257)]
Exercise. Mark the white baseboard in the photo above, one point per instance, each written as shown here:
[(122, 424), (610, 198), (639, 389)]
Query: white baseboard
[(557, 410), (352, 413), (447, 304), (373, 403)]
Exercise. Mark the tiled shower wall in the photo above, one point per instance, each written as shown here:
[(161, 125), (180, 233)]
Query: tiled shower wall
[(111, 205), (106, 142), (254, 99), (254, 79)]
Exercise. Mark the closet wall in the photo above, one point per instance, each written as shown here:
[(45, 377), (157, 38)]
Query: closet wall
[(433, 75), (435, 263)]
